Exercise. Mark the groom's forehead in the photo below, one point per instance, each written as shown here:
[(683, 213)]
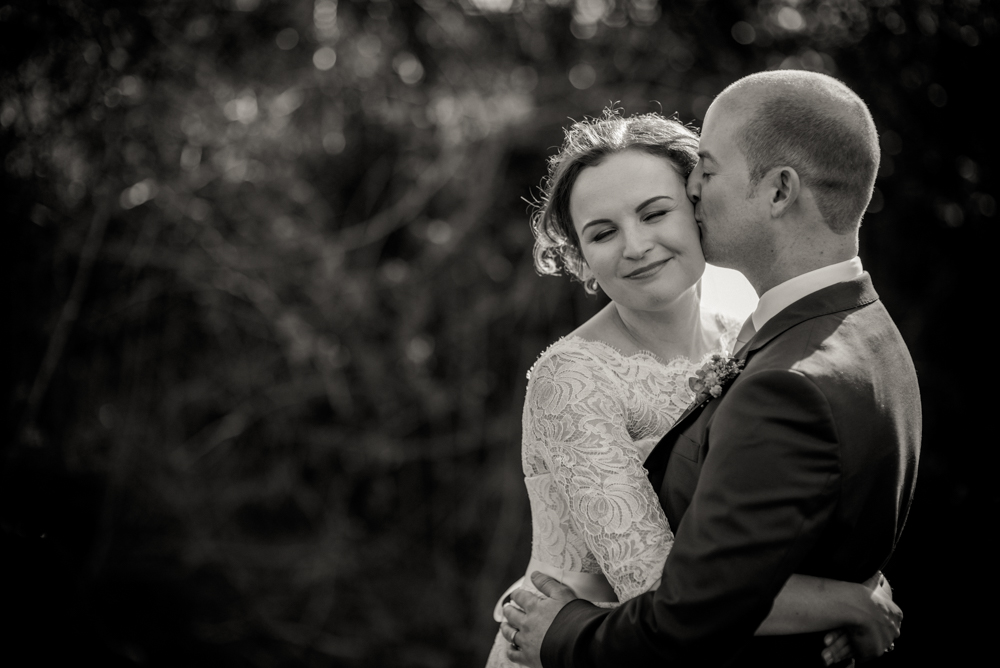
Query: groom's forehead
[(718, 131)]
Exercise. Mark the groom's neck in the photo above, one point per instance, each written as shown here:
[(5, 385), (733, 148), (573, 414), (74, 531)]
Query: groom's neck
[(799, 255)]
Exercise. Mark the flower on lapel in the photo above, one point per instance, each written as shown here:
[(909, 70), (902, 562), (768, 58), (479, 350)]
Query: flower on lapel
[(709, 381)]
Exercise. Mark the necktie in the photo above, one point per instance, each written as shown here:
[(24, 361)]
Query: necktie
[(746, 333)]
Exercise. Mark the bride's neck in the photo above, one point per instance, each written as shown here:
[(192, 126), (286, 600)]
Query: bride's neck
[(669, 332)]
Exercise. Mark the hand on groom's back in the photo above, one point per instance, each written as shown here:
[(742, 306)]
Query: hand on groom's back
[(872, 638), (525, 628)]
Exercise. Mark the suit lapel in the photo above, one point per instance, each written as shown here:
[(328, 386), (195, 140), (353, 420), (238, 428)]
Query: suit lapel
[(832, 299)]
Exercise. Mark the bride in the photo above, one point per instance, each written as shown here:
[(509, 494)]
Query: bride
[(615, 215)]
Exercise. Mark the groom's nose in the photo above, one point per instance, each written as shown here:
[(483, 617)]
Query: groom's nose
[(694, 187)]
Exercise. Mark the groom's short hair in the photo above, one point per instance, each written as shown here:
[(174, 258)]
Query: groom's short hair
[(819, 127)]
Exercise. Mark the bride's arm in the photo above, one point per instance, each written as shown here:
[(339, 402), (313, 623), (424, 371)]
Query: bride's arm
[(808, 603), (865, 611), (577, 419)]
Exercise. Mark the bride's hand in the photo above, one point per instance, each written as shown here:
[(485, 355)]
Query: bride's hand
[(880, 622), (838, 647)]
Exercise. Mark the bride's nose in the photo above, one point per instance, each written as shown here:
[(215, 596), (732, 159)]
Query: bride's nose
[(637, 244)]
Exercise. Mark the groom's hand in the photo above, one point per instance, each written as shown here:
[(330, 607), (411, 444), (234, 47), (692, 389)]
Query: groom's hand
[(526, 627)]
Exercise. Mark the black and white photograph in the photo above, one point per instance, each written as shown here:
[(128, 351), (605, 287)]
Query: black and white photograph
[(498, 333)]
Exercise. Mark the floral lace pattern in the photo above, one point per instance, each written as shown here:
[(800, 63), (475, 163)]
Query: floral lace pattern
[(591, 416)]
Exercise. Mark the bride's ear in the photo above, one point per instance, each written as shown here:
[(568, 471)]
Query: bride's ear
[(586, 276)]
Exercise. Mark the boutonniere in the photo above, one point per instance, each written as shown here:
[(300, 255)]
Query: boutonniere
[(709, 381)]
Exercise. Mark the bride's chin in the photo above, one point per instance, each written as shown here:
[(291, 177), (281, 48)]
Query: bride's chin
[(660, 299)]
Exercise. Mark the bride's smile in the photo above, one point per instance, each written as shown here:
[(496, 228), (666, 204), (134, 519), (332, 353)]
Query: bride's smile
[(648, 270)]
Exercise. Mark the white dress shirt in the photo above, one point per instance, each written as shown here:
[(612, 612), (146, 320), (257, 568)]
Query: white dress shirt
[(785, 294)]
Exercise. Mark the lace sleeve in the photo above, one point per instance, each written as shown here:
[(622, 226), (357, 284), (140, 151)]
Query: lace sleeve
[(577, 415)]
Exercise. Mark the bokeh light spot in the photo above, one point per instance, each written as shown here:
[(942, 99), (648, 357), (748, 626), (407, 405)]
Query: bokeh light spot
[(325, 18), (582, 76), (324, 58), (8, 115), (190, 157), (112, 97), (242, 108), (892, 143), (743, 32), (582, 30), (894, 22), (138, 194), (439, 232), (92, 52), (130, 86), (591, 11), (927, 22), (790, 19), (334, 143), (987, 205), (395, 270), (644, 12), (524, 78), (493, 6), (937, 95), (968, 169), (108, 416), (408, 68), (419, 349), (287, 39), (951, 213)]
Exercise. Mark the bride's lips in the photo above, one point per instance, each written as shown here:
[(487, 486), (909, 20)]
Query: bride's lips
[(647, 269)]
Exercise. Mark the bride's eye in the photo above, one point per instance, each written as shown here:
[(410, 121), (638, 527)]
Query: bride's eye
[(603, 234), (653, 215)]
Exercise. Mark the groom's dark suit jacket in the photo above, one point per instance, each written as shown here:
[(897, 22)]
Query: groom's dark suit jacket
[(806, 465)]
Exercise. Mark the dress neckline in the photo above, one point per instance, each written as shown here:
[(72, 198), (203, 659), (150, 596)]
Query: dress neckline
[(723, 343), (639, 354)]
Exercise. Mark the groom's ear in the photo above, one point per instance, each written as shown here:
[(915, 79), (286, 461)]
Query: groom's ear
[(783, 189)]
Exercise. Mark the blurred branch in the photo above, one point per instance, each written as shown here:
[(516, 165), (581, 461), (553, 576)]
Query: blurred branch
[(235, 422), (69, 313), (405, 210)]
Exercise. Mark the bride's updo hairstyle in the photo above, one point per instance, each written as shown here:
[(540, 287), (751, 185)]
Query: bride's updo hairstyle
[(586, 144)]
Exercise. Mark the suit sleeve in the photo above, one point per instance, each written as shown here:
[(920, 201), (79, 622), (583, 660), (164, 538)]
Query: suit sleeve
[(768, 484)]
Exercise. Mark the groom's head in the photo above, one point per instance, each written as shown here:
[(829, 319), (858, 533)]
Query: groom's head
[(781, 151)]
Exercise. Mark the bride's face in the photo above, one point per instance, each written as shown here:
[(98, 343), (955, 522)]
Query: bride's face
[(637, 230)]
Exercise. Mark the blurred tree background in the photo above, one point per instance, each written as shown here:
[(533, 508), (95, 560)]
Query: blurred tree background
[(271, 302)]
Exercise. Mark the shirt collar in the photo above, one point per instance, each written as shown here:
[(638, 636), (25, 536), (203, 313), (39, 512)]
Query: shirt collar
[(785, 294)]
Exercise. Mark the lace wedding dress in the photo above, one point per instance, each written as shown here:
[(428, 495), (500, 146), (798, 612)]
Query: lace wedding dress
[(591, 416)]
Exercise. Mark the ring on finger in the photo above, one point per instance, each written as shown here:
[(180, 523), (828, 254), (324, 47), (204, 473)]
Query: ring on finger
[(513, 639)]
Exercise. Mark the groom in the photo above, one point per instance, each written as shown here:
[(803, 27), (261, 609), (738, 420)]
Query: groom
[(807, 461)]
